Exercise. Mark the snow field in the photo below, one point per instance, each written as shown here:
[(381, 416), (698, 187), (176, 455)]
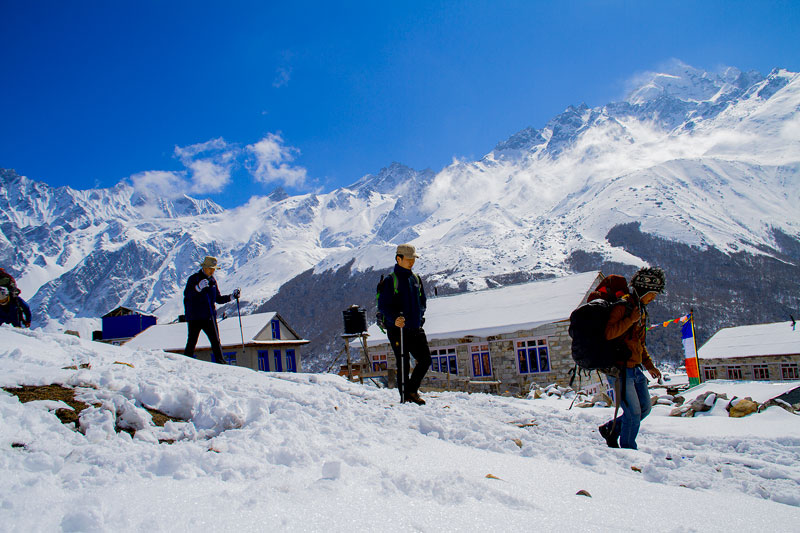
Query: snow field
[(307, 452)]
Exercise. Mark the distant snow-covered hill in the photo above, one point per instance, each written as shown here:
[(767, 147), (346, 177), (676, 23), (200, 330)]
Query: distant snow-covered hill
[(705, 161)]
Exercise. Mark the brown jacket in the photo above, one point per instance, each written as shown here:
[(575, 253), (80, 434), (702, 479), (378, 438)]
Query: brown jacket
[(631, 327)]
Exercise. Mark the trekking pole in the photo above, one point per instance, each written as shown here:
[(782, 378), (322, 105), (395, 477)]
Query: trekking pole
[(238, 312), (401, 372)]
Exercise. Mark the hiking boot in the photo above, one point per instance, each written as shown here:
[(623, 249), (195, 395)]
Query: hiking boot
[(416, 398), (611, 439)]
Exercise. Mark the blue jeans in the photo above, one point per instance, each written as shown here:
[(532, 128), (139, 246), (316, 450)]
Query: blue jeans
[(635, 405)]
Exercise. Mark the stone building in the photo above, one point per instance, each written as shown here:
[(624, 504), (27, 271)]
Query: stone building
[(498, 340), (762, 352), (263, 342)]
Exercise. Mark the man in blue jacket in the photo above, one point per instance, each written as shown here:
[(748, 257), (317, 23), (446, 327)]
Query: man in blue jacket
[(402, 301), (13, 309), (199, 299)]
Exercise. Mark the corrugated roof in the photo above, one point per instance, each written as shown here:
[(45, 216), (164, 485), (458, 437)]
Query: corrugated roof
[(779, 338), (502, 310), (173, 336)]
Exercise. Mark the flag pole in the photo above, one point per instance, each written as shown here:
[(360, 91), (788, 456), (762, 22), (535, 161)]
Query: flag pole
[(694, 340)]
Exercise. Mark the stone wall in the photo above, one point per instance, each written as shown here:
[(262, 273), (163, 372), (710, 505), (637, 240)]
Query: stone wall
[(503, 354), (773, 362)]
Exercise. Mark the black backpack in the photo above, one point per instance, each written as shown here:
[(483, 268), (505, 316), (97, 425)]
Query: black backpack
[(590, 348)]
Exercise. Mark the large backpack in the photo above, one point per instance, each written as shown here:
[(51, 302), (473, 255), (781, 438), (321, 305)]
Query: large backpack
[(590, 348)]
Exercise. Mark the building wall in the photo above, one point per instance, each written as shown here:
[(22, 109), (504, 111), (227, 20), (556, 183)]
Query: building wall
[(249, 357), (503, 353), (775, 365)]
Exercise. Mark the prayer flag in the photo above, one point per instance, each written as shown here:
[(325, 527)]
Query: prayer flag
[(690, 352)]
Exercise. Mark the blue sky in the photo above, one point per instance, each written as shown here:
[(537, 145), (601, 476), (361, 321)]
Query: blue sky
[(226, 100)]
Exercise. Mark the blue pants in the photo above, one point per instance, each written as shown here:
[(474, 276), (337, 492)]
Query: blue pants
[(635, 405)]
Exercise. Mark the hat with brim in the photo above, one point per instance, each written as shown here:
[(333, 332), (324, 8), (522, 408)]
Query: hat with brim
[(209, 262), (406, 250)]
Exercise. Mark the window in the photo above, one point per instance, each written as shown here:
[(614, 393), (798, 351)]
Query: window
[(735, 372), (790, 371), (291, 362), (276, 329), (278, 361), (263, 360), (444, 360), (481, 361), (709, 372), (230, 357), (378, 362), (533, 355), (760, 372)]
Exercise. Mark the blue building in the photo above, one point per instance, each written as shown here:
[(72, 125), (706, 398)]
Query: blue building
[(124, 323)]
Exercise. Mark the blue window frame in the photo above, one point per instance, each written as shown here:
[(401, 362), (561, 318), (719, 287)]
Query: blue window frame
[(481, 360), (230, 357), (263, 360), (291, 362), (444, 360), (276, 329), (278, 362), (533, 356)]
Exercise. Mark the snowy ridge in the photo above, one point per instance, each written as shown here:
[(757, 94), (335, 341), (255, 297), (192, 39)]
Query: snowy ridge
[(711, 160), (295, 451)]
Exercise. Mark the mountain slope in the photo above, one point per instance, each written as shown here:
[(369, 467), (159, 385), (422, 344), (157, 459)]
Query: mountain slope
[(710, 162)]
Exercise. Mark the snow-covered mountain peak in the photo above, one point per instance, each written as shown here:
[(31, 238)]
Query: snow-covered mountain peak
[(686, 83), (394, 179)]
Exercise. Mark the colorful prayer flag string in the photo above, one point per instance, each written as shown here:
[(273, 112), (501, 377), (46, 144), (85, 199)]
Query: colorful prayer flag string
[(681, 319)]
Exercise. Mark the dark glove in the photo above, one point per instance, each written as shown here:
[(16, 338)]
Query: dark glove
[(236, 293)]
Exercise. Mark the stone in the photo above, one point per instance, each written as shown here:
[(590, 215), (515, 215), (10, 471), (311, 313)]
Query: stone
[(742, 407), (678, 400), (775, 402), (602, 397), (684, 411), (704, 402)]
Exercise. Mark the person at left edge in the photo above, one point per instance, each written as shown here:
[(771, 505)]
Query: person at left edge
[(13, 309), (199, 301)]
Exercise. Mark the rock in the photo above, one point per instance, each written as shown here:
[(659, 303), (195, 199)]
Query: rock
[(663, 401), (704, 402), (602, 397), (743, 407), (779, 403), (584, 404), (679, 400), (684, 411), (537, 393), (583, 493)]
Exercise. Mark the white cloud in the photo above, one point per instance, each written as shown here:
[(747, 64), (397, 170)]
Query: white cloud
[(282, 77), (169, 185), (273, 162), (212, 172)]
